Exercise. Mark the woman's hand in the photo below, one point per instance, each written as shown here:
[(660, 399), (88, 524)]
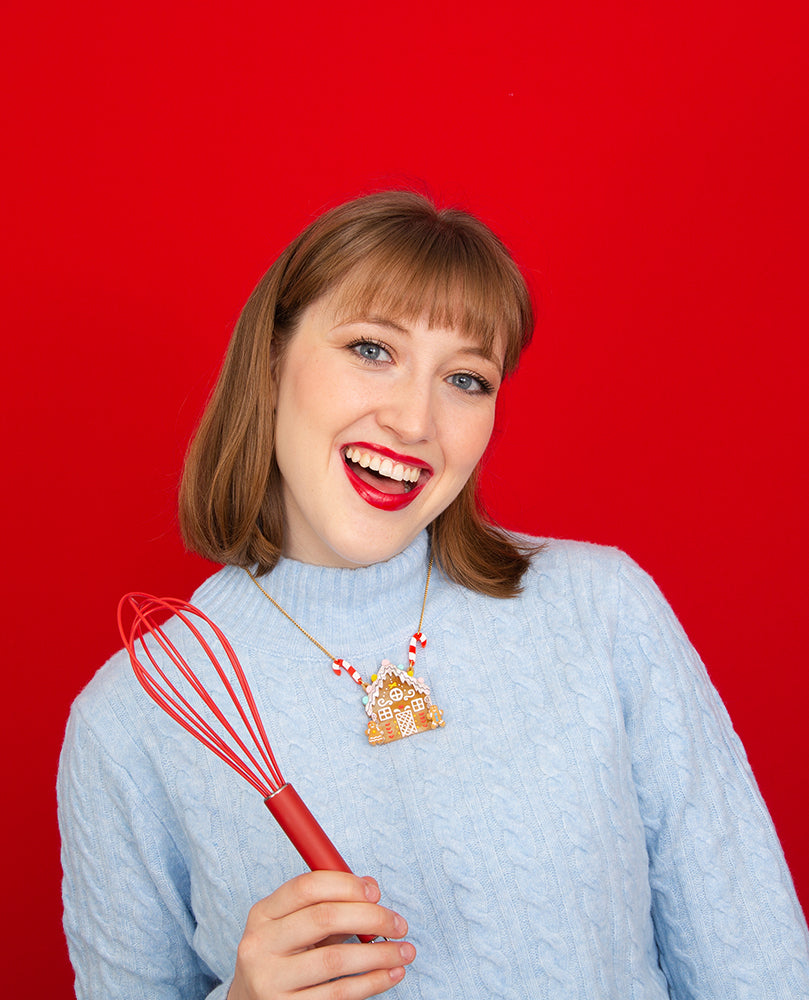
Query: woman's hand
[(293, 943)]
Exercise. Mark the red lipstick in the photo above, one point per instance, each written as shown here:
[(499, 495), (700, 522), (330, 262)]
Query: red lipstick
[(376, 497)]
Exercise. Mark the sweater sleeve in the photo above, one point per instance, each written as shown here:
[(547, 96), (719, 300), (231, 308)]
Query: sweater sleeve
[(126, 892), (727, 920)]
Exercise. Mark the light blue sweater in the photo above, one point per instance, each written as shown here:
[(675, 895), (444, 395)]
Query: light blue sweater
[(585, 825)]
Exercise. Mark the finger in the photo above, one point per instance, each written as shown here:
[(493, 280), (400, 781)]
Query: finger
[(371, 984), (316, 887), (322, 965), (334, 919)]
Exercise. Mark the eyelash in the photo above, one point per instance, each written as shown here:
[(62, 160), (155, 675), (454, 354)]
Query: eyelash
[(366, 342), (485, 387)]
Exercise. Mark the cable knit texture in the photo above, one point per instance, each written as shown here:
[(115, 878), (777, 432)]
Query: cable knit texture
[(586, 825)]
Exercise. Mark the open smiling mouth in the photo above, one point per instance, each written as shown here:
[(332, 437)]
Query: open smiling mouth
[(383, 480)]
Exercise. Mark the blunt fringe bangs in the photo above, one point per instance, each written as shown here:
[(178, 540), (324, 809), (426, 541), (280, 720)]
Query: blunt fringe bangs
[(392, 254)]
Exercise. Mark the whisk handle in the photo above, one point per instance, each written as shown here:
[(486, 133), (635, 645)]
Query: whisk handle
[(306, 834)]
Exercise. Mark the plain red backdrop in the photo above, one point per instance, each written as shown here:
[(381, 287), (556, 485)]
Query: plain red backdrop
[(647, 163)]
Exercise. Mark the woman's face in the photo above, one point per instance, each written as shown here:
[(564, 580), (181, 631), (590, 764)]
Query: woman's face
[(379, 424)]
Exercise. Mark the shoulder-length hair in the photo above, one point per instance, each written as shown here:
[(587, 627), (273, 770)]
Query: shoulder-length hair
[(392, 253)]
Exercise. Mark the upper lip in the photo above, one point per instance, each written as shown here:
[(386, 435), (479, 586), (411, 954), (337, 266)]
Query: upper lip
[(395, 456)]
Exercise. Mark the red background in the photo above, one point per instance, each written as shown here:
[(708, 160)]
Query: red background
[(648, 165)]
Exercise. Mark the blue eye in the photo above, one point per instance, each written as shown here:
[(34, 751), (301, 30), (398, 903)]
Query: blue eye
[(369, 350), (467, 382)]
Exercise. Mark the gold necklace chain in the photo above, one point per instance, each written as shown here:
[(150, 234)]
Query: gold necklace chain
[(310, 637), (397, 704)]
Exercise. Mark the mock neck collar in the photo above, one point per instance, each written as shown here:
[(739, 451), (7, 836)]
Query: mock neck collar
[(346, 610)]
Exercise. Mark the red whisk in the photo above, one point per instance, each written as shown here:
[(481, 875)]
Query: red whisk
[(257, 766)]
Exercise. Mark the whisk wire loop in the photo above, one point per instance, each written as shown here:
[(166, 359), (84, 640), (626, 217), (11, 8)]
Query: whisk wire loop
[(260, 740), (266, 777)]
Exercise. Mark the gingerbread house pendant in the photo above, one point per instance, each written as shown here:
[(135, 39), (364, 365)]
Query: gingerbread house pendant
[(398, 705)]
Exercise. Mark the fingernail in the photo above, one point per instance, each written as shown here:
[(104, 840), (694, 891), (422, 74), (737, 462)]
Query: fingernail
[(400, 924), (396, 974), (407, 951), (371, 890)]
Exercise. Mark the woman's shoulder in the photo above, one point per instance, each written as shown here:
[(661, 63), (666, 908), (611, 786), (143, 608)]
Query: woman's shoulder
[(570, 548), (586, 574), (112, 700), (571, 556), (107, 710)]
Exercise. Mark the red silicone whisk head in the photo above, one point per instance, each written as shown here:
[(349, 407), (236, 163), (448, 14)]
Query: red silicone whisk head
[(170, 681)]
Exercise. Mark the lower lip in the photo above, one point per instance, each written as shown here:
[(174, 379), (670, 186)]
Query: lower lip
[(376, 498)]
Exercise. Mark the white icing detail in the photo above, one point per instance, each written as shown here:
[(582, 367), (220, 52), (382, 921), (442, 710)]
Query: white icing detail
[(406, 723), (377, 689)]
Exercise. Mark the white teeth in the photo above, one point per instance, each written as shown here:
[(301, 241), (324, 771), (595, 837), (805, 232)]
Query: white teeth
[(384, 466)]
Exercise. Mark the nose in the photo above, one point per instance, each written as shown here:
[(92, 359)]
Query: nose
[(408, 411)]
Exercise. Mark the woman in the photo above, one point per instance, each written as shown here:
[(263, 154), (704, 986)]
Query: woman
[(550, 803)]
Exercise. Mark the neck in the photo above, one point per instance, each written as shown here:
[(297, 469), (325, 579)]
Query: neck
[(346, 610)]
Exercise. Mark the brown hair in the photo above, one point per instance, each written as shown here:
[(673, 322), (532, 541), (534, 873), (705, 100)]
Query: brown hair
[(393, 253)]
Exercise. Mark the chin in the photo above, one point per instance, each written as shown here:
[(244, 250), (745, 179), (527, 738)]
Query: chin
[(358, 545), (368, 553)]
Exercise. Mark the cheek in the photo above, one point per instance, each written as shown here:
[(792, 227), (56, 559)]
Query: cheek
[(304, 399), (470, 440)]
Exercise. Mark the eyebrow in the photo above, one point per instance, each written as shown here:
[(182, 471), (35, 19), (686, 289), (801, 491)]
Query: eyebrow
[(375, 321), (474, 349)]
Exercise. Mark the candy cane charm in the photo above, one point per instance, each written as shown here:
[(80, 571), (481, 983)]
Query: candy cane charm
[(337, 665), (421, 639), (411, 720)]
